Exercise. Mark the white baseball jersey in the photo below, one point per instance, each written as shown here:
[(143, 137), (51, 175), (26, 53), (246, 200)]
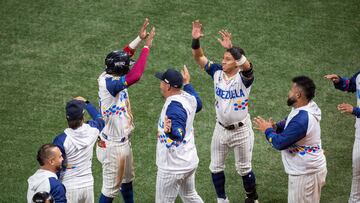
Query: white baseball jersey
[(115, 109), (78, 146), (46, 181), (357, 124), (177, 157), (306, 156), (231, 95)]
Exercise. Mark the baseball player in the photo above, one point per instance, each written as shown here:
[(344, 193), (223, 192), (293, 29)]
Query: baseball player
[(176, 156), (233, 130), (351, 85), (76, 144), (45, 179), (298, 138), (113, 149)]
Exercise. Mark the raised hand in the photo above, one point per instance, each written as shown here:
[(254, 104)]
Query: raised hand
[(143, 33), (150, 38), (333, 77), (262, 124), (197, 31), (80, 98), (345, 108), (186, 75), (226, 39)]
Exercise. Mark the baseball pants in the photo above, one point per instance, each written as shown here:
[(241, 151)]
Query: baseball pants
[(306, 188), (113, 158), (169, 186), (80, 195), (241, 140), (355, 184)]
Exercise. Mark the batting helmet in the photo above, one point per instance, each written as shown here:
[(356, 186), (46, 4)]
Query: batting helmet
[(118, 62)]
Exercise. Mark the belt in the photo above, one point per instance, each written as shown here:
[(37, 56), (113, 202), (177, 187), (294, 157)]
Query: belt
[(232, 126), (109, 139)]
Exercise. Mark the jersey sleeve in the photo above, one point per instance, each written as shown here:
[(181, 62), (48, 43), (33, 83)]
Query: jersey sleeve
[(114, 85), (59, 142), (294, 131), (211, 68), (177, 114), (97, 121), (346, 84), (248, 81), (190, 89), (356, 111), (57, 190), (280, 126)]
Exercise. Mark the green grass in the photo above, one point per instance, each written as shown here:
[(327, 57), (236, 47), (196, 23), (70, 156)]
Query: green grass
[(51, 51)]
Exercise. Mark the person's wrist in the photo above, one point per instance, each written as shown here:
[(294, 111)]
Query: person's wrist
[(195, 44)]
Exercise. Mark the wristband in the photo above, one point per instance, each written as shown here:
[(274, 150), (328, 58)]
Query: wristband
[(195, 44), (135, 43)]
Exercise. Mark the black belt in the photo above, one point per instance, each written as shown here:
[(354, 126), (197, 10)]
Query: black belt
[(108, 139), (232, 126)]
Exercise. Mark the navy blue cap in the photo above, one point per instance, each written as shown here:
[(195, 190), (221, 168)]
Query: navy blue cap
[(171, 77), (75, 109)]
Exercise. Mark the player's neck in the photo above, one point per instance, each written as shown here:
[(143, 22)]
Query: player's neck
[(48, 168), (230, 75), (300, 103), (172, 93)]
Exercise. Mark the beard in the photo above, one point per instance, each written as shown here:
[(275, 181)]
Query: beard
[(291, 101)]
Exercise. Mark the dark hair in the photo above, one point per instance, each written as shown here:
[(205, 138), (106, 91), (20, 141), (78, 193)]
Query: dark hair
[(41, 197), (307, 85), (44, 153), (236, 52), (74, 124)]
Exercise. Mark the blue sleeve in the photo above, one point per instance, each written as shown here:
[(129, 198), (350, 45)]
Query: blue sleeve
[(347, 85), (97, 121), (211, 68), (59, 142), (57, 191), (114, 86), (190, 89), (248, 81), (356, 111), (177, 114), (294, 131), (280, 126)]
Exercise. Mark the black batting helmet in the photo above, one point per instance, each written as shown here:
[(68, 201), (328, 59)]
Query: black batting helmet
[(118, 62)]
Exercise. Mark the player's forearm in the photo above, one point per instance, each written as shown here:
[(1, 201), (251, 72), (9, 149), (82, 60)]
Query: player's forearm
[(91, 109), (131, 47), (199, 57), (138, 69)]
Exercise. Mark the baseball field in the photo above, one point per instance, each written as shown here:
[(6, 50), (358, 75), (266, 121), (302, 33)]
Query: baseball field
[(51, 51)]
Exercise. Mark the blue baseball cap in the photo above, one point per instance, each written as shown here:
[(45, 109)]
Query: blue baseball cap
[(171, 77), (75, 109)]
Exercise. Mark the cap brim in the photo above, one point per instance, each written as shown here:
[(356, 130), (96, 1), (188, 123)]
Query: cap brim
[(159, 75)]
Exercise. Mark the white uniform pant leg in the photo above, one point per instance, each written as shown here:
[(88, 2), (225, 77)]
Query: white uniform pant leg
[(129, 173), (355, 183), (167, 187), (306, 188), (219, 149), (80, 195), (244, 142), (110, 158), (187, 191)]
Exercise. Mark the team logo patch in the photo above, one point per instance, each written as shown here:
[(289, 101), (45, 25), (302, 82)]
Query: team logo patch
[(302, 150), (241, 104)]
